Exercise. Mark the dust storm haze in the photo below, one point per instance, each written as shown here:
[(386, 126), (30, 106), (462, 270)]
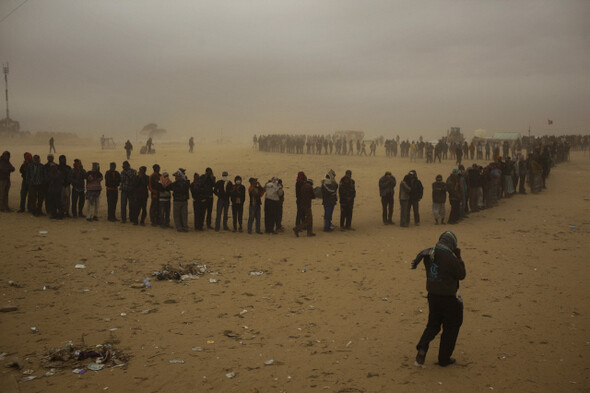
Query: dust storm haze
[(204, 68)]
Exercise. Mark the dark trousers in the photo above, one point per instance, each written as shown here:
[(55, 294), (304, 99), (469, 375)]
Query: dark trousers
[(78, 200), (200, 210), (328, 211), (307, 222), (164, 214), (4, 190), (345, 216), (300, 217), (415, 205), (222, 208), (455, 210), (387, 206), (139, 205), (254, 215), (36, 199), (24, 192), (154, 211), (448, 312), (209, 211), (237, 214), (270, 215), (125, 199), (404, 213), (53, 203), (180, 213), (112, 198)]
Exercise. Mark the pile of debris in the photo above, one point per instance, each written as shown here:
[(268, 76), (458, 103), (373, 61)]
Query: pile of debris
[(70, 356), (181, 273)]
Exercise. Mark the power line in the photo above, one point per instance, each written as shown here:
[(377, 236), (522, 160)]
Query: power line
[(10, 13)]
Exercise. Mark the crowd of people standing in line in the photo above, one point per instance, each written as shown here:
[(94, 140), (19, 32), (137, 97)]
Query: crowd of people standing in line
[(444, 148), (65, 191)]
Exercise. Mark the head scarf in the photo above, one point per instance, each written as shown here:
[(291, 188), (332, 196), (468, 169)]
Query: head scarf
[(301, 177), (446, 242)]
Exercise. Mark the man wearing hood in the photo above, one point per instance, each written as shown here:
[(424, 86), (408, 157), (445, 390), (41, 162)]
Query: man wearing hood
[(444, 269), (386, 191), (24, 189), (223, 190), (329, 198), (6, 169)]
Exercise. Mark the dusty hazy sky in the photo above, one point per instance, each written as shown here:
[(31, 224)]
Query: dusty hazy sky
[(244, 67)]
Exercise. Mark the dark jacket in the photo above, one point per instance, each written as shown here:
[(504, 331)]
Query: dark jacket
[(77, 177), (128, 180), (416, 191), (180, 190), (223, 190), (442, 275), (238, 194), (208, 184), (6, 169), (256, 192), (141, 186), (454, 187), (36, 174), (346, 192), (306, 195), (65, 173), (387, 186), (329, 192), (474, 178), (439, 192), (112, 180)]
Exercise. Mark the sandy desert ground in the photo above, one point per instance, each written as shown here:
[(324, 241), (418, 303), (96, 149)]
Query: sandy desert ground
[(340, 312)]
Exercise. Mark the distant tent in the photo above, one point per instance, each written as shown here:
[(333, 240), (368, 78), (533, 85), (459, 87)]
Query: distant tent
[(152, 131)]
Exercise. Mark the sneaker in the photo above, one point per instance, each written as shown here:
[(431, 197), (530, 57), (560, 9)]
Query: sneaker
[(420, 357)]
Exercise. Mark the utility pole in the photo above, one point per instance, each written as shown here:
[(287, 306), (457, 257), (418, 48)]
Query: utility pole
[(5, 70)]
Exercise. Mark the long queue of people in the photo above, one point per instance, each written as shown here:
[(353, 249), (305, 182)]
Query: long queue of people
[(74, 192)]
